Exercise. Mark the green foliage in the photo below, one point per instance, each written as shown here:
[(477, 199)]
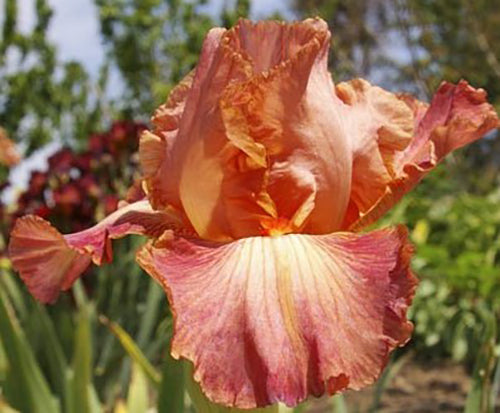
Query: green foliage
[(41, 96), (460, 38), (138, 397), (480, 397), (457, 242), (171, 391), (356, 26), (24, 385), (155, 43), (60, 358)]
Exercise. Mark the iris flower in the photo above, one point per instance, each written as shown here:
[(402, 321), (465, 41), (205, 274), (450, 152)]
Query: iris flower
[(259, 174)]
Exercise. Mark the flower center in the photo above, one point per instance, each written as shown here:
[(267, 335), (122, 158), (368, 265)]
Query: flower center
[(274, 227)]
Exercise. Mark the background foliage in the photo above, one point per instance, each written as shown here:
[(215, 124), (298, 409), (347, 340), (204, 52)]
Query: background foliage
[(104, 345)]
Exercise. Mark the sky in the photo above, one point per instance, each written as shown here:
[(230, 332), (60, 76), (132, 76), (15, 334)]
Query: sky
[(74, 27)]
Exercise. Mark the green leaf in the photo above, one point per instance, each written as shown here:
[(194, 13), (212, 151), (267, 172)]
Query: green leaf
[(384, 381), (137, 399), (25, 388), (171, 392), (479, 397), (420, 233), (4, 363), (339, 404), (133, 350), (150, 315), (82, 397), (51, 347), (13, 290), (495, 387)]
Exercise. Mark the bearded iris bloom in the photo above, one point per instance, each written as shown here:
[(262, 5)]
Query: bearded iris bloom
[(259, 173)]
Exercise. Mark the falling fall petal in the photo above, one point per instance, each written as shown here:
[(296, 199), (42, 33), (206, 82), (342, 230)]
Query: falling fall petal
[(49, 262), (275, 319)]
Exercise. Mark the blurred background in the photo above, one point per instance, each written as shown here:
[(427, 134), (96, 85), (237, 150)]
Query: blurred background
[(78, 82)]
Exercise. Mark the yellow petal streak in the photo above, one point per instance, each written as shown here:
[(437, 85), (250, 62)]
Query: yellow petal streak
[(284, 288)]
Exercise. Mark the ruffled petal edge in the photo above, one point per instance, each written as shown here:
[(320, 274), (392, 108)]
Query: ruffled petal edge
[(458, 115), (49, 262), (277, 319)]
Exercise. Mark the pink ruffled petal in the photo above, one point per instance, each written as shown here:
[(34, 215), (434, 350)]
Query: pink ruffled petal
[(49, 262), (457, 116), (276, 319)]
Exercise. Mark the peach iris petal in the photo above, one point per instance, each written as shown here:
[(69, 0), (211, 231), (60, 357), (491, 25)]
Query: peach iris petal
[(268, 319), (256, 127), (155, 148), (267, 44), (380, 126), (457, 115), (184, 141), (292, 112), (50, 262)]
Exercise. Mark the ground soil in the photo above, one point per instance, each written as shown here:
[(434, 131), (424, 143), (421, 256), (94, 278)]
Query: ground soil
[(416, 388)]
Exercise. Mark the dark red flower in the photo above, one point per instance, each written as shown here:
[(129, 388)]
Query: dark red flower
[(62, 161)]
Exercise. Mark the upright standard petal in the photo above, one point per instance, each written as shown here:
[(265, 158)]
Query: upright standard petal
[(379, 126), (49, 262), (255, 128), (154, 148), (178, 134), (276, 319), (288, 119), (457, 115)]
